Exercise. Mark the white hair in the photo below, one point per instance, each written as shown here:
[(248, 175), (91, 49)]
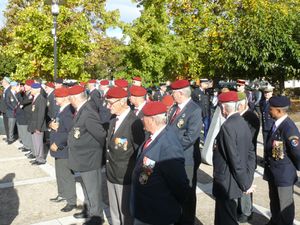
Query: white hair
[(230, 107), (186, 91), (160, 119)]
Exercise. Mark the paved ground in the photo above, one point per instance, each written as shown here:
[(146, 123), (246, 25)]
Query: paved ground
[(25, 191)]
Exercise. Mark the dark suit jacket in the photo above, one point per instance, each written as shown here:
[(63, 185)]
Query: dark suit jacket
[(38, 115), (94, 99), (158, 96), (52, 108), (25, 108), (233, 159), (187, 125), (283, 171), (60, 137), (86, 140), (267, 121), (122, 148), (160, 187), (11, 103), (3, 107), (202, 99)]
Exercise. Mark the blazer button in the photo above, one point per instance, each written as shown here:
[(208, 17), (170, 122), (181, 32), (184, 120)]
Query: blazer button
[(107, 150), (107, 161)]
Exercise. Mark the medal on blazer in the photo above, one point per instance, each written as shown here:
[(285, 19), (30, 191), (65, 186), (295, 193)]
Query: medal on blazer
[(147, 170), (33, 108), (76, 132), (121, 143), (143, 178), (277, 150), (11, 99), (294, 141), (180, 123)]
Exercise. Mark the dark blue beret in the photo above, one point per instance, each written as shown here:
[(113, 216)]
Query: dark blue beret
[(36, 85), (279, 101)]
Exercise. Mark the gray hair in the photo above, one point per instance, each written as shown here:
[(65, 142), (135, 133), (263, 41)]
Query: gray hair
[(186, 91), (160, 119), (230, 107)]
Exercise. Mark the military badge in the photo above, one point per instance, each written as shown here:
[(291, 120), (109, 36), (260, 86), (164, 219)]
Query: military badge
[(33, 108), (11, 99), (143, 178), (122, 143), (294, 140), (76, 132), (148, 165), (180, 123), (277, 150)]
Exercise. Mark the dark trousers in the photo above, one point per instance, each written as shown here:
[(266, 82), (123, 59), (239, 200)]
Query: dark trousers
[(11, 128), (5, 122), (226, 212), (66, 186), (206, 123), (189, 206), (91, 186), (281, 204)]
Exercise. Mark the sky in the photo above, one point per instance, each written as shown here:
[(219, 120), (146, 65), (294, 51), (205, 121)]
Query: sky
[(128, 12)]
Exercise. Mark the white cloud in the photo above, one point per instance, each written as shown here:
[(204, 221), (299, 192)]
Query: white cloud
[(3, 4), (128, 10)]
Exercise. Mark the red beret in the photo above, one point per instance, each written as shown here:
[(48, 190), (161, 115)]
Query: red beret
[(50, 84), (137, 78), (76, 89), (241, 82), (104, 82), (230, 96), (29, 82), (137, 91), (154, 108), (179, 84), (61, 92), (121, 83), (168, 100), (82, 83), (92, 81), (116, 92)]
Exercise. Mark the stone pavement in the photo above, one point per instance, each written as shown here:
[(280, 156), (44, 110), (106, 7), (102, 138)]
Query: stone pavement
[(25, 191)]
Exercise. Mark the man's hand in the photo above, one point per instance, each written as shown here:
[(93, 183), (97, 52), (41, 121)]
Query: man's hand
[(54, 125), (250, 190), (53, 147)]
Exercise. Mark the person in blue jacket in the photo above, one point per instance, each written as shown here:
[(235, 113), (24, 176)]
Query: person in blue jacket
[(159, 181), (60, 128), (282, 160)]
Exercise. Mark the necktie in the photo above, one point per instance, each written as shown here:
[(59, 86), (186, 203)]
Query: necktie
[(175, 115), (274, 128), (147, 143), (135, 111)]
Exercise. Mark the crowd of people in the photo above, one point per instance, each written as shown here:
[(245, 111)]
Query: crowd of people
[(144, 149)]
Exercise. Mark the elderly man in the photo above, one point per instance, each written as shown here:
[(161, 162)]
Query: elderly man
[(138, 99), (282, 157), (137, 81), (233, 161), (185, 118), (245, 202), (60, 128), (159, 180), (37, 124), (3, 107), (124, 137), (85, 141), (94, 94)]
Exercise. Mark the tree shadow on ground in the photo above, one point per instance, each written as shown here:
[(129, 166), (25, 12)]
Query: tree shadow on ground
[(9, 200)]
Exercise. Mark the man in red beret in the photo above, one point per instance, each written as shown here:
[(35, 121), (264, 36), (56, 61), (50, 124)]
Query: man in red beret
[(121, 83), (185, 119), (125, 135), (159, 94), (60, 128), (233, 161), (160, 184), (241, 87), (23, 115), (86, 141), (137, 81), (138, 99), (104, 86)]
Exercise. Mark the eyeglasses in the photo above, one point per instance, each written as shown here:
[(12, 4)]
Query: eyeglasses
[(111, 103)]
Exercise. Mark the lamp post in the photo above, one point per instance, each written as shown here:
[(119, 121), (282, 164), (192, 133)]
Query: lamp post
[(55, 12)]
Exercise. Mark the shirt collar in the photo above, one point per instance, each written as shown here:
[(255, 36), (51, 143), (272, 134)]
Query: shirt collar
[(123, 114), (182, 105), (78, 108), (153, 136), (280, 120)]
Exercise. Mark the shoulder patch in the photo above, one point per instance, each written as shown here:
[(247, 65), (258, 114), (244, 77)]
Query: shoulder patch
[(294, 140)]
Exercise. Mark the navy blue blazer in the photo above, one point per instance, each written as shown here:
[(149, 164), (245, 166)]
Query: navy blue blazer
[(187, 125), (60, 137), (233, 159), (159, 181), (11, 103), (282, 170), (267, 121)]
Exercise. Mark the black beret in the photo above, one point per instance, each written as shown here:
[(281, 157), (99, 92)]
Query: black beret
[(279, 101)]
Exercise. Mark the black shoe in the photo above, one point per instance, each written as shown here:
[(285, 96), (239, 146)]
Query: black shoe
[(95, 220), (81, 215), (26, 150), (31, 156), (10, 142), (243, 218), (21, 148), (68, 208), (28, 153), (37, 163), (57, 199)]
